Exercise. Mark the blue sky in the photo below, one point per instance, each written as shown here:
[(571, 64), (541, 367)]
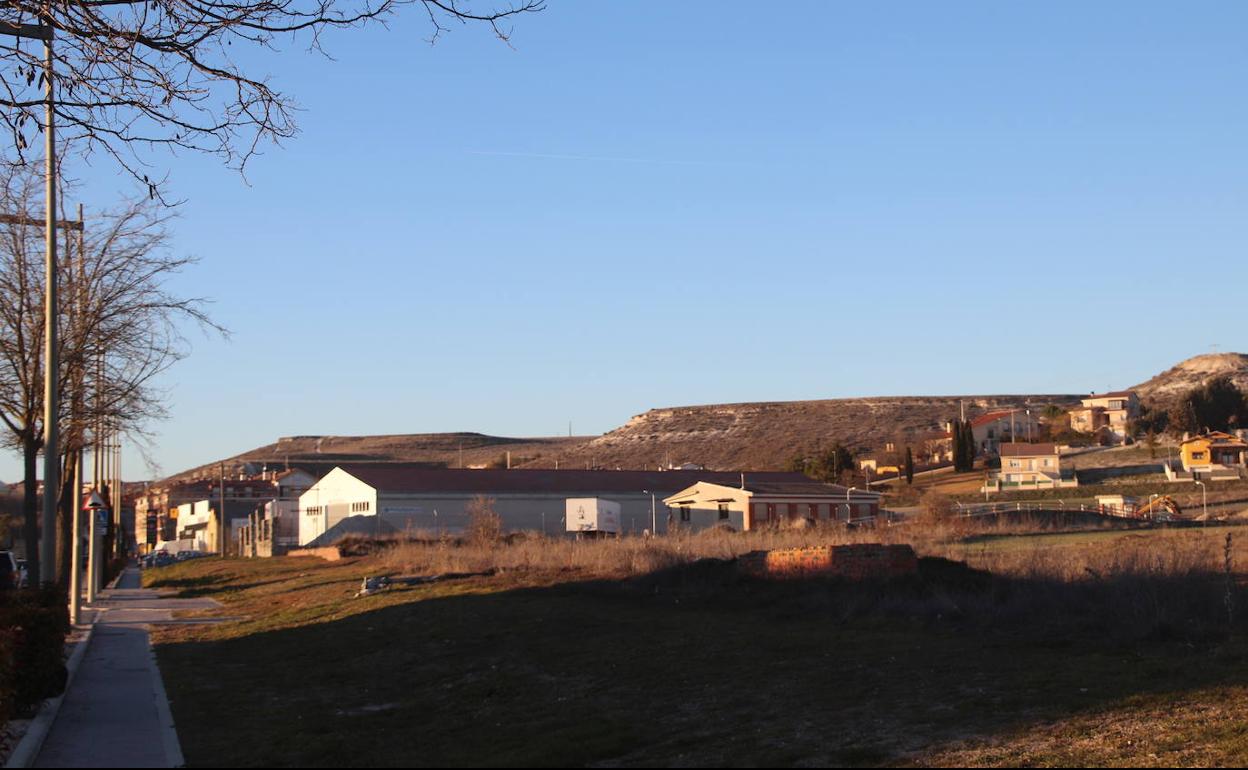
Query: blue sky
[(645, 204)]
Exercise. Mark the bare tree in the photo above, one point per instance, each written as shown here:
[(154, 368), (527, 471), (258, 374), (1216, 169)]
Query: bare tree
[(485, 526), (137, 75), (121, 328)]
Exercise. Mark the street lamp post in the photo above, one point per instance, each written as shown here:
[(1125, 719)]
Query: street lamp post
[(1204, 502), (51, 364)]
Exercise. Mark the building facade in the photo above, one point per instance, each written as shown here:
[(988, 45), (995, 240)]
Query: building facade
[(381, 499), (1110, 414), (1030, 466), (755, 504), (1214, 453), (993, 429)]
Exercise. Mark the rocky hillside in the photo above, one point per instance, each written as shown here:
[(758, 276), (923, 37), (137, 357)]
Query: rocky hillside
[(763, 436), (758, 436), (1194, 372)]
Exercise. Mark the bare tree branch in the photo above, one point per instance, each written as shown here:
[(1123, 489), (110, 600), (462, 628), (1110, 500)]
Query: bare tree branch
[(134, 76)]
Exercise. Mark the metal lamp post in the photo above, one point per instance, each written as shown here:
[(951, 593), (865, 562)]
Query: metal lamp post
[(51, 359)]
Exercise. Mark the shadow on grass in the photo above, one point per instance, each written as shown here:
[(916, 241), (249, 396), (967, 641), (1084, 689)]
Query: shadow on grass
[(695, 666), (207, 585)]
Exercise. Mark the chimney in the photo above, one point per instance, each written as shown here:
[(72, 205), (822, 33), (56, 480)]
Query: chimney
[(743, 479)]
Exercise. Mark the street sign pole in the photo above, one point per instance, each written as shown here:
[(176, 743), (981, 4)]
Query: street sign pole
[(75, 569), (94, 505)]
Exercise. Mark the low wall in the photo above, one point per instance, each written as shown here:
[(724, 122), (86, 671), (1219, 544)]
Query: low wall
[(854, 562), (330, 553)]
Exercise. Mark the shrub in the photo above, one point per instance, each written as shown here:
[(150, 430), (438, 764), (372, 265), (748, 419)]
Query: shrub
[(485, 526), (33, 626), (936, 506)]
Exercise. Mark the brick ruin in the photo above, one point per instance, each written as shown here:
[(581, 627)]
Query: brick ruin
[(852, 562)]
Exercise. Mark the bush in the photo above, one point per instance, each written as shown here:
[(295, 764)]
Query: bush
[(8, 667), (33, 627), (936, 506), (485, 526)]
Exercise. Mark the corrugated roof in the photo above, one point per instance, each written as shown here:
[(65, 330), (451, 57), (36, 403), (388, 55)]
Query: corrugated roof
[(1028, 450), (399, 477)]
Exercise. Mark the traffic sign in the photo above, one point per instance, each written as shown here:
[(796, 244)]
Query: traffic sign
[(94, 502)]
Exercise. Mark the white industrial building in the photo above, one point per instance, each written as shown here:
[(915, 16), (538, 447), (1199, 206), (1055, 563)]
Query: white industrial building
[(396, 497)]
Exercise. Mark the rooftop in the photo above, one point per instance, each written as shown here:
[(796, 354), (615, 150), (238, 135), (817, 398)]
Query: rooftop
[(398, 477), (1028, 450)]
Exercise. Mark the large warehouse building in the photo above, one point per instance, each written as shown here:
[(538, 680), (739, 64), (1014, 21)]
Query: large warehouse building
[(396, 497)]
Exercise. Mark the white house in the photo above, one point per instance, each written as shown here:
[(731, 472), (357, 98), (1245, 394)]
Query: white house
[(758, 502), (382, 498), (1031, 466)]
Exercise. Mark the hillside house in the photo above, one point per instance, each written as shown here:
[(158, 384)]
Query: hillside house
[(397, 497), (1110, 414), (1030, 466), (158, 511), (756, 503), (1218, 454), (993, 429)]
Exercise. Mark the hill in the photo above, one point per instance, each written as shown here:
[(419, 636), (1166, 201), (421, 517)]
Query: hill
[(763, 436), (760, 436), (1194, 372)]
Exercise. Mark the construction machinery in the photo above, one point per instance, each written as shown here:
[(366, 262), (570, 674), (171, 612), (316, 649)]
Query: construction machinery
[(1162, 508)]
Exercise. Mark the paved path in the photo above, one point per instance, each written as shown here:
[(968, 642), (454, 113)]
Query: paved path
[(116, 713)]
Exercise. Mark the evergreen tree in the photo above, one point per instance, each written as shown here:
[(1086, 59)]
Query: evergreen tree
[(909, 466)]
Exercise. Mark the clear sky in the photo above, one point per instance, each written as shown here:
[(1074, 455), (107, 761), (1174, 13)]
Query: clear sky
[(642, 204)]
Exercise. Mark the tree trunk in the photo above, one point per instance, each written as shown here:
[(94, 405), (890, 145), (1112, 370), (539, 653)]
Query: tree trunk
[(30, 507)]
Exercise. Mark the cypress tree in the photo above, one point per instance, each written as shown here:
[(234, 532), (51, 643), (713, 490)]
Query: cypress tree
[(909, 466)]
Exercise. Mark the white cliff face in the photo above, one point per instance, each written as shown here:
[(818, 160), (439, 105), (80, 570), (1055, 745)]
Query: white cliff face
[(1194, 372)]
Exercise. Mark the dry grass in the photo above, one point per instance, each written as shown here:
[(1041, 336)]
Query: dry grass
[(1073, 652), (1008, 549)]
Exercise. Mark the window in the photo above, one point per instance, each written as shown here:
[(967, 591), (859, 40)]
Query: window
[(361, 507), (684, 513), (723, 511)]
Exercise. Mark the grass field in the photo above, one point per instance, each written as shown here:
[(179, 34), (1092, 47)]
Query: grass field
[(1101, 648)]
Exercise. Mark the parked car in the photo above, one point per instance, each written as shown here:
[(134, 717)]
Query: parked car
[(157, 559), (10, 576)]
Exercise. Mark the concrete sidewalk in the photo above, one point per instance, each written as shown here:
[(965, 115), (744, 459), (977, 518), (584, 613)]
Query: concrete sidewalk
[(115, 713)]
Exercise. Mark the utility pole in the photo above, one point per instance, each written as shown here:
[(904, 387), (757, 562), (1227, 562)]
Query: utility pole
[(75, 558), (51, 353), (221, 516), (119, 539), (46, 556)]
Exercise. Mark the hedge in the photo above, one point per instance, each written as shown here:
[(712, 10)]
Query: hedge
[(33, 627)]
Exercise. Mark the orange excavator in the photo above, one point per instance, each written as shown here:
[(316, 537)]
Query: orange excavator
[(1162, 508)]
